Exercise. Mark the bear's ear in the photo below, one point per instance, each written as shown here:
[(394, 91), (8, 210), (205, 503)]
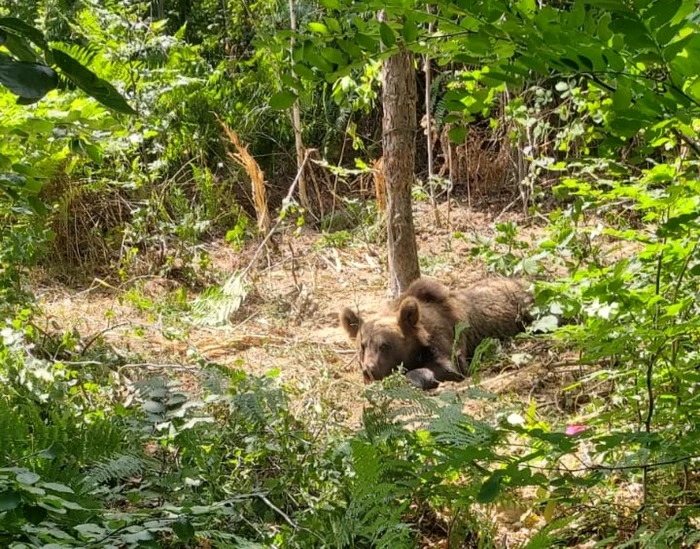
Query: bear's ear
[(351, 322), (409, 315)]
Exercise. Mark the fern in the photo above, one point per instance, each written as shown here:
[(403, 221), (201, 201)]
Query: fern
[(453, 427), (116, 468), (377, 502), (218, 304)]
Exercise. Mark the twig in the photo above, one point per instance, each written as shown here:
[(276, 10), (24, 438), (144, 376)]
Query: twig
[(100, 333), (277, 509), (157, 366)]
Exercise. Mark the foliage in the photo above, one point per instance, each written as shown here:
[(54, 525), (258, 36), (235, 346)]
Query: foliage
[(623, 79), (231, 465), (600, 103)]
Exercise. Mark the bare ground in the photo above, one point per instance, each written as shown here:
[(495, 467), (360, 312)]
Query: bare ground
[(289, 322)]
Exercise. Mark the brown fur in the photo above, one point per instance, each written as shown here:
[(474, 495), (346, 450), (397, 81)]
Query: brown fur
[(418, 329)]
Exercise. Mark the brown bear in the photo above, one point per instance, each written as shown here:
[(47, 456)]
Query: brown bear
[(418, 329)]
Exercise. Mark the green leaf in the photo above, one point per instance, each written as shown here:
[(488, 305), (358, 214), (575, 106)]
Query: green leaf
[(569, 63), (367, 42), (95, 153), (25, 30), (388, 37), (12, 179), (502, 77), (331, 4), (458, 134), (350, 48), (627, 127), (534, 64), (667, 33), (20, 48), (489, 489), (30, 81), (154, 407), (34, 514), (409, 30), (334, 56), (319, 62), (28, 478), (635, 34), (318, 28), (27, 170), (333, 25), (37, 206), (27, 100), (661, 12), (622, 98), (304, 72), (183, 529), (91, 84), (9, 499), (602, 28), (577, 15), (57, 487), (585, 61)]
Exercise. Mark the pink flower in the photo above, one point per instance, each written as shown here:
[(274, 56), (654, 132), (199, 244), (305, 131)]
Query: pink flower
[(572, 430)]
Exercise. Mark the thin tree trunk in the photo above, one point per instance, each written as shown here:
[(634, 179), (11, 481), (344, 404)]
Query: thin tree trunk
[(296, 122), (399, 129), (429, 128)]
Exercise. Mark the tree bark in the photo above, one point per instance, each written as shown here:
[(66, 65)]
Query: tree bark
[(296, 122), (399, 99)]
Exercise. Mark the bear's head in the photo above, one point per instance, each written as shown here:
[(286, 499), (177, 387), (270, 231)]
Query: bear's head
[(389, 340)]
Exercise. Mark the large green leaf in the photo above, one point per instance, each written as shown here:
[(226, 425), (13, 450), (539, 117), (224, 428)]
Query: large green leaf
[(388, 37), (9, 499), (25, 30), (490, 488), (334, 56), (409, 30), (91, 84), (282, 100), (21, 49), (30, 81), (662, 12), (183, 529)]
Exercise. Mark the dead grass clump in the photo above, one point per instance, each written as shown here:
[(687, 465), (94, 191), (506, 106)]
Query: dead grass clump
[(482, 164), (257, 178), (86, 224)]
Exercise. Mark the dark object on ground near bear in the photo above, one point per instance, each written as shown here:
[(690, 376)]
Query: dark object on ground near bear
[(418, 329)]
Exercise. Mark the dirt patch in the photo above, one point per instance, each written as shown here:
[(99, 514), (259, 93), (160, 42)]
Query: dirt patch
[(289, 321)]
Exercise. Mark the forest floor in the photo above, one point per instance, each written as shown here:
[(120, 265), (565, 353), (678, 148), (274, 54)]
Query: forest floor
[(289, 322)]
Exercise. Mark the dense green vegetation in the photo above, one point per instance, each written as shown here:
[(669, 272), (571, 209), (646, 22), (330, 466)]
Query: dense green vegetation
[(114, 165)]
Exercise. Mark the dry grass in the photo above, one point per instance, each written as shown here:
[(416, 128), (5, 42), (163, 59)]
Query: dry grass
[(289, 320), (482, 164), (256, 175)]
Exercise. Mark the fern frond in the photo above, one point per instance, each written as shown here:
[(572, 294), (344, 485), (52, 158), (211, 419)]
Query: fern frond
[(118, 467), (216, 305)]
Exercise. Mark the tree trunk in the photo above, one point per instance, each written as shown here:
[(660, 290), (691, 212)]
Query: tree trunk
[(296, 122), (399, 134)]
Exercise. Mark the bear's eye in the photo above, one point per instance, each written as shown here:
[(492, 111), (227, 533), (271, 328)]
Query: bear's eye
[(384, 347)]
